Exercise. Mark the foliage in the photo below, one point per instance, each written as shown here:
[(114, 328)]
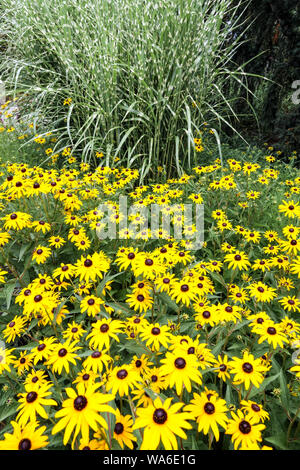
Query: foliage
[(137, 78), (212, 315)]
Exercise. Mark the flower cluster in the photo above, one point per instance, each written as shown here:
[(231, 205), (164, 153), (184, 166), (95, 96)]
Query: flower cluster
[(140, 341)]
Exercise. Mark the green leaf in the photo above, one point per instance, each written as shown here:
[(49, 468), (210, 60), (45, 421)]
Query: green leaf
[(279, 441), (8, 411), (23, 250), (168, 301), (9, 292), (284, 390), (263, 386)]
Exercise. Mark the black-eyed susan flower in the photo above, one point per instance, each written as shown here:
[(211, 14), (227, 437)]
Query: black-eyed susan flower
[(62, 355), (65, 271), (180, 369), (25, 437), (290, 303), (255, 410), (247, 370), (74, 331), (41, 226), (222, 367), (16, 221), (290, 209), (272, 333), (6, 359), (56, 241), (81, 411), (33, 401), (156, 335), (86, 377), (162, 422), (41, 253), (38, 376), (91, 305), (43, 350), (140, 301), (96, 361), (182, 291), (244, 429), (208, 412), (23, 362), (261, 292), (237, 260), (14, 328), (123, 430), (122, 379), (93, 266), (103, 331)]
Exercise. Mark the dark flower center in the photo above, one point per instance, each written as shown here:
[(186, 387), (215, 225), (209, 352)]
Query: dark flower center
[(122, 374), (24, 444), (184, 288), (209, 408), (206, 314), (247, 367), (155, 331), (255, 407), (271, 330), (31, 397), (180, 363), (119, 428), (160, 416), (88, 263), (80, 403), (245, 427), (62, 352), (96, 354), (104, 328), (238, 257), (149, 262)]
